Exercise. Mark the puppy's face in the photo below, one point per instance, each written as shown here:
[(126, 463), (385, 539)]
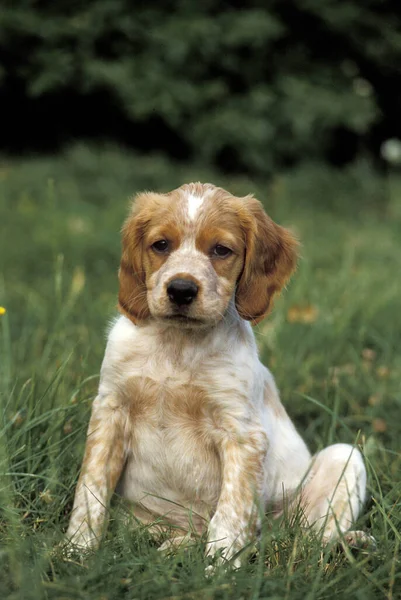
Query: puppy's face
[(191, 254)]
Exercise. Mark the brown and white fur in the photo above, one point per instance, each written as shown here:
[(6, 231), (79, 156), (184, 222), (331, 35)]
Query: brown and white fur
[(188, 424)]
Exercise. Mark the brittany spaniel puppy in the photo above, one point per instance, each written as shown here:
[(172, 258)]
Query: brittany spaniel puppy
[(187, 424)]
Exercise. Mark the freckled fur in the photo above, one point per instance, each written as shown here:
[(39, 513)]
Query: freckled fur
[(188, 425)]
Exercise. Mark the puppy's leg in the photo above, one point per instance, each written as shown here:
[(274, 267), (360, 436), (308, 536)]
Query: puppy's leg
[(235, 519), (102, 465), (334, 492)]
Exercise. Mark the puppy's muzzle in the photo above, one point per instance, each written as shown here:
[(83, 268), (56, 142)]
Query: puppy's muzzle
[(182, 292)]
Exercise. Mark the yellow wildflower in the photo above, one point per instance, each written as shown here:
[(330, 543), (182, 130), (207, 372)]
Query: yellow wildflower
[(46, 497), (2, 310)]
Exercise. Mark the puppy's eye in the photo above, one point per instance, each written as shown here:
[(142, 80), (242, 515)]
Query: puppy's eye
[(221, 251), (161, 246)]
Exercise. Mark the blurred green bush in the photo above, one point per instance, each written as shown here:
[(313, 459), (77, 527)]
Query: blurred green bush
[(251, 86)]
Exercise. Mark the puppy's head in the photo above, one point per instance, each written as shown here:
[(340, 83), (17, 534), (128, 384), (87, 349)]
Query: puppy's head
[(187, 253)]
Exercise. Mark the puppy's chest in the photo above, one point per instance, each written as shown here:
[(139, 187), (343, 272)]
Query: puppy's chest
[(173, 417), (170, 407)]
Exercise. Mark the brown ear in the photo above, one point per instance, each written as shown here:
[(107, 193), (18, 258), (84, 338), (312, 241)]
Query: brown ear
[(132, 295), (270, 258)]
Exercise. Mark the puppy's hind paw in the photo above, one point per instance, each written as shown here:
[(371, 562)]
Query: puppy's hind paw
[(359, 540)]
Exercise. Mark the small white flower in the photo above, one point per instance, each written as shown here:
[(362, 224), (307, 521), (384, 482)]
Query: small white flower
[(391, 151)]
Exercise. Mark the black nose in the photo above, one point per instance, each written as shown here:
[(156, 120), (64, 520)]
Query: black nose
[(182, 291)]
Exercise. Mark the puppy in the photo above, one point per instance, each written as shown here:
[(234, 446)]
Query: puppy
[(187, 423)]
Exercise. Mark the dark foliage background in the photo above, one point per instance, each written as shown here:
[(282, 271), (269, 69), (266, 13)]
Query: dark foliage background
[(250, 86)]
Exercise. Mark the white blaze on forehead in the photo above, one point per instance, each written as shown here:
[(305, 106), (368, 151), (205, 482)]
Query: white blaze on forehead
[(194, 204)]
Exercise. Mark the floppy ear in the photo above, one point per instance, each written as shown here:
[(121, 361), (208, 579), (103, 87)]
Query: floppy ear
[(132, 295), (270, 258)]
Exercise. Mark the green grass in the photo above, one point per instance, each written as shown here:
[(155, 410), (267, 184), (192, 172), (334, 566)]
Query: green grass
[(339, 374)]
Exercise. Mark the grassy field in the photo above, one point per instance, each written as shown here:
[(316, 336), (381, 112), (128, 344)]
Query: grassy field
[(332, 343)]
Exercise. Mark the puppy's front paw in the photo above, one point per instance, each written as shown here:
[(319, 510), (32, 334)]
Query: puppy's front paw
[(69, 551), (222, 552), (79, 545)]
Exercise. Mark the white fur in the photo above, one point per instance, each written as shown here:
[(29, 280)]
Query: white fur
[(194, 204)]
